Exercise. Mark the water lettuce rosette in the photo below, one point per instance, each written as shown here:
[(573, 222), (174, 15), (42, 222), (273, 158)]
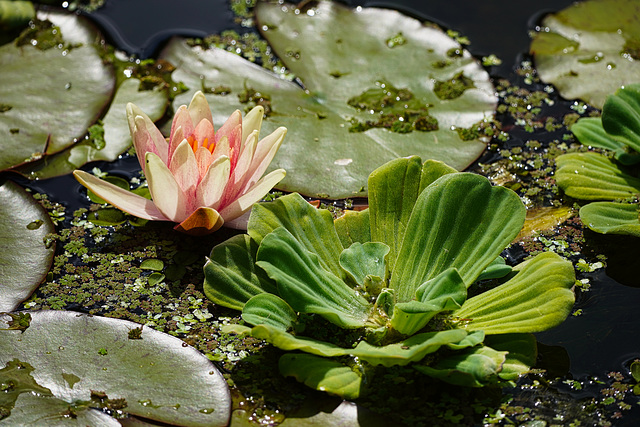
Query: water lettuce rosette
[(198, 177), (392, 285)]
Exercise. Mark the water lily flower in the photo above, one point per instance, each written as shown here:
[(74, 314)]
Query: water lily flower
[(198, 177)]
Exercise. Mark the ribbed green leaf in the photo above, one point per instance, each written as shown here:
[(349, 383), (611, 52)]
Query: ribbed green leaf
[(538, 298), (589, 131), (621, 115), (522, 353), (611, 218), (475, 367), (306, 285), (410, 350), (362, 259), (445, 292), (460, 221), (269, 309), (312, 227), (393, 190), (497, 269), (231, 277), (353, 227), (592, 176), (322, 374)]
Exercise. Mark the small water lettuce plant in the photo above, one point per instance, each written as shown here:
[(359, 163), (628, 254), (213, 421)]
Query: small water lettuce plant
[(394, 284), (610, 182), (200, 178)]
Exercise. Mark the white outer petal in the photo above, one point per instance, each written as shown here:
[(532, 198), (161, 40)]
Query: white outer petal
[(122, 199), (165, 191), (243, 203)]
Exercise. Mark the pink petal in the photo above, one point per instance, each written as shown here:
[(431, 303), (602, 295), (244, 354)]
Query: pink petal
[(122, 199), (242, 204), (181, 119), (204, 133), (165, 191), (230, 125), (145, 134), (213, 183), (222, 148), (239, 223), (265, 151), (238, 177), (252, 121), (199, 108), (204, 159), (184, 168)]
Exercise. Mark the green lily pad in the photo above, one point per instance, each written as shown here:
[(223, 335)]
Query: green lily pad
[(51, 94), (589, 49), (351, 76), (24, 257), (611, 218), (77, 356), (114, 138)]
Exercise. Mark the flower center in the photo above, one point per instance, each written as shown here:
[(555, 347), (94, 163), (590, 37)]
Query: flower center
[(195, 144)]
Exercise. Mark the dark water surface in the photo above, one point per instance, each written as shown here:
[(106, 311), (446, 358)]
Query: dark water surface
[(606, 337)]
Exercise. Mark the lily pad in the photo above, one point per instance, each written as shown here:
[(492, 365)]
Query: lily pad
[(589, 49), (76, 356), (24, 257), (51, 93), (351, 76), (114, 138)]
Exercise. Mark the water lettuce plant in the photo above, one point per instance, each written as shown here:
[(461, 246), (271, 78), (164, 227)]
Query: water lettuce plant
[(599, 178), (393, 284), (199, 178)]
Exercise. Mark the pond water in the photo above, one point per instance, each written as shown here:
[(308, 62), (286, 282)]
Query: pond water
[(605, 336)]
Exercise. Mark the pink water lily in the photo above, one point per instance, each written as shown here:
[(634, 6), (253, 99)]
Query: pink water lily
[(198, 177)]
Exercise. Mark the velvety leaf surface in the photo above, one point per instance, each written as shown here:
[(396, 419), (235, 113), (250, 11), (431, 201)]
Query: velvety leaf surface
[(24, 257), (538, 298), (269, 309), (50, 97), (410, 350), (330, 51), (473, 367), (621, 115), (362, 259), (522, 353), (393, 190), (461, 222), (590, 132), (312, 227), (322, 374), (592, 176), (231, 274), (589, 49), (611, 218), (305, 285), (353, 226), (117, 138), (160, 377)]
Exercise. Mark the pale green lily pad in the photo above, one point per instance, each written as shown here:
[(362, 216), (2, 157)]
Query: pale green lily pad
[(611, 218), (333, 52), (50, 97), (593, 176), (32, 410), (117, 138), (589, 49), (321, 412), (160, 378), (25, 258)]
